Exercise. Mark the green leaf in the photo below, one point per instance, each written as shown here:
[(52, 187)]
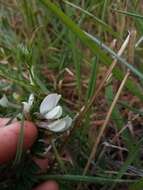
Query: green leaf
[(129, 14), (105, 26), (20, 143), (76, 60), (85, 179)]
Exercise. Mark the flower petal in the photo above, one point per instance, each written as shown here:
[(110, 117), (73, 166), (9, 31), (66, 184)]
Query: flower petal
[(60, 125), (56, 126), (55, 113), (49, 102), (31, 99), (26, 107)]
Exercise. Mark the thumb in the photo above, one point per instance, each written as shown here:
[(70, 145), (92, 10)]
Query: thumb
[(9, 138), (48, 185)]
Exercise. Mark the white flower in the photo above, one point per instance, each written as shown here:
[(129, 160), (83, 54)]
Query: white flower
[(27, 105), (50, 110)]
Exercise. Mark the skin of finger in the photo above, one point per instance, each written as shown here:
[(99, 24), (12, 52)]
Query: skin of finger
[(9, 138), (4, 121), (48, 185)]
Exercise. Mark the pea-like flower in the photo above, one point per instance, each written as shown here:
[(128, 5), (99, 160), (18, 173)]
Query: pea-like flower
[(51, 111), (49, 108)]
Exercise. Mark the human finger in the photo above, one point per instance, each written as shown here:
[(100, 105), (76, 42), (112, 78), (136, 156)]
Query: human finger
[(9, 138), (48, 185)]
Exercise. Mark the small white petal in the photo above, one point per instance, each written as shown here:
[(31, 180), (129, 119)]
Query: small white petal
[(49, 102), (55, 113), (56, 126), (60, 125), (31, 99), (4, 101), (26, 107)]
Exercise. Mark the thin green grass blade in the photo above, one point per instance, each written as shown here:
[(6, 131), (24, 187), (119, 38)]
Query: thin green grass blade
[(76, 60), (85, 179), (132, 86), (21, 83), (93, 77), (122, 61), (105, 26), (89, 93), (104, 9), (129, 14), (58, 158), (28, 12), (20, 143), (118, 119), (11, 76)]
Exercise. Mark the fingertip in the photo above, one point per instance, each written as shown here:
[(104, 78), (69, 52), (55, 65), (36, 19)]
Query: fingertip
[(48, 185), (3, 121), (30, 132), (9, 136)]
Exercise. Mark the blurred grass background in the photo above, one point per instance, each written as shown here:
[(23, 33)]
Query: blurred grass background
[(67, 47)]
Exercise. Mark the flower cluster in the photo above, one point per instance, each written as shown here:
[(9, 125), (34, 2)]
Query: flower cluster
[(52, 112)]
